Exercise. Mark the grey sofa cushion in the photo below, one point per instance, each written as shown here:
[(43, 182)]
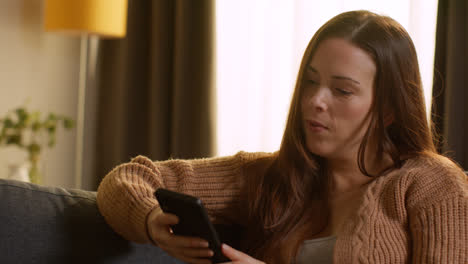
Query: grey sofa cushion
[(55, 225)]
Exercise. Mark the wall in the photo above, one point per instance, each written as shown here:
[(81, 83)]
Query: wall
[(41, 69)]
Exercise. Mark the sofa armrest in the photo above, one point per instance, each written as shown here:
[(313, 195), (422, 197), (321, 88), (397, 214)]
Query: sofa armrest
[(41, 224)]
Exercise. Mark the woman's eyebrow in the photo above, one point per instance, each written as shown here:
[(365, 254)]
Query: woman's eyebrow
[(339, 77), (312, 69), (345, 78)]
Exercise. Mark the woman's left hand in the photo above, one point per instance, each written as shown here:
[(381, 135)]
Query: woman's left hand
[(238, 257)]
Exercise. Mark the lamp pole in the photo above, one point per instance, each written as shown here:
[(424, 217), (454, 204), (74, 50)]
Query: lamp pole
[(83, 78), (105, 18)]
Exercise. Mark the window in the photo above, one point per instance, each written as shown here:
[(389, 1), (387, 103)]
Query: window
[(259, 48)]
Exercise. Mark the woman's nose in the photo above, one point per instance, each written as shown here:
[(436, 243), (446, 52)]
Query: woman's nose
[(318, 100)]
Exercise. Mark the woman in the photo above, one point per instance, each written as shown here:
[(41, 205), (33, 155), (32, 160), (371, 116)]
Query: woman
[(356, 179)]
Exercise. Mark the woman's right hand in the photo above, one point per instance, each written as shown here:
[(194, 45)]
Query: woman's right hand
[(189, 249)]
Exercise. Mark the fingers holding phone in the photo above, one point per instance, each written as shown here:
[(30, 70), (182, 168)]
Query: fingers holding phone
[(238, 257), (193, 221), (188, 249)]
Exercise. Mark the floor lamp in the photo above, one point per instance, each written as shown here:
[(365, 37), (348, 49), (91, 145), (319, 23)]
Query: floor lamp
[(85, 18)]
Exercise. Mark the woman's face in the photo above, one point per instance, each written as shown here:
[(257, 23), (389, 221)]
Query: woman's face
[(337, 92)]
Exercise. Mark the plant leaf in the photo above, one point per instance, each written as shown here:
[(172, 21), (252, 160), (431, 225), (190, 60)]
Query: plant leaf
[(8, 123), (68, 123), (14, 139), (34, 149)]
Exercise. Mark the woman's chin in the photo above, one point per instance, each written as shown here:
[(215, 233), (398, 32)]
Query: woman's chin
[(320, 151)]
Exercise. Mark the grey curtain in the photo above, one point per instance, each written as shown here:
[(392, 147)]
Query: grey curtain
[(156, 86), (450, 95)]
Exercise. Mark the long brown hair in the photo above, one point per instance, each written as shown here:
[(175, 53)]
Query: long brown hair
[(289, 202)]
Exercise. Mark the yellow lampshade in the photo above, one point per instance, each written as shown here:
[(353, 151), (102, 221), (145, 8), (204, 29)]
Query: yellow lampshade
[(106, 18)]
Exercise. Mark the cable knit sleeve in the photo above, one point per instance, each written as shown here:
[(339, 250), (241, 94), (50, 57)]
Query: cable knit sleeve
[(437, 204), (126, 195)]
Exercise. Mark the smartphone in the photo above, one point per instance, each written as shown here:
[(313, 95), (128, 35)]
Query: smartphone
[(193, 219)]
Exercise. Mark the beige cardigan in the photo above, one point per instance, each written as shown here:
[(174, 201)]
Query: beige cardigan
[(416, 214)]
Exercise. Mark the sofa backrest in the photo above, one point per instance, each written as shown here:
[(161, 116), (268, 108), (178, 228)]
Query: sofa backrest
[(41, 224)]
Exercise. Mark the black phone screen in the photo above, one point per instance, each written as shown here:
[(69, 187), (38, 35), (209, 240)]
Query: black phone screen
[(193, 219)]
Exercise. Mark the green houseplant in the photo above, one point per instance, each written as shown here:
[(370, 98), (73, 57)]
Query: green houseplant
[(28, 131)]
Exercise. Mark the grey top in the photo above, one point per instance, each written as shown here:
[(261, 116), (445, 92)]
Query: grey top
[(319, 250)]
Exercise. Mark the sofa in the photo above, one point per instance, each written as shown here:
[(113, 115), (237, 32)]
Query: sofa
[(40, 224)]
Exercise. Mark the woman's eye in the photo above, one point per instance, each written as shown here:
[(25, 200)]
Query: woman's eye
[(311, 82), (343, 92)]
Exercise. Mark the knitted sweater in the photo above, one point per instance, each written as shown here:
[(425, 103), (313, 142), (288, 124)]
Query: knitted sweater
[(415, 214)]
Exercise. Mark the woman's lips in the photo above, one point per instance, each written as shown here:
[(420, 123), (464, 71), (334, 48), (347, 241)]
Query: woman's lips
[(316, 126)]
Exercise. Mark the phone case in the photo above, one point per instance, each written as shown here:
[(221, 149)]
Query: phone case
[(193, 219)]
